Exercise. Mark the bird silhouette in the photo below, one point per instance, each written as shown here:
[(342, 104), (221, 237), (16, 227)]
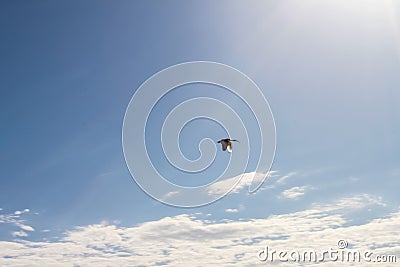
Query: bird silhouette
[(227, 144)]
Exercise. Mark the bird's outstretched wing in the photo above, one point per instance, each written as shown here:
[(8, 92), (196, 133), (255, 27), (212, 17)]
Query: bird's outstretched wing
[(224, 145)]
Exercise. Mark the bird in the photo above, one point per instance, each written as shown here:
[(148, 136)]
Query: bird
[(227, 144)]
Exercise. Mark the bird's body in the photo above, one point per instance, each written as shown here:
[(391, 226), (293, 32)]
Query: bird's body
[(227, 144)]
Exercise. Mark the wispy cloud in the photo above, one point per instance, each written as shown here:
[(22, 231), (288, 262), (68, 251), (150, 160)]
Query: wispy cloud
[(15, 219), (185, 238), (223, 186), (19, 212), (231, 210), (19, 234), (25, 227), (246, 179), (355, 202), (169, 195), (283, 179), (294, 192)]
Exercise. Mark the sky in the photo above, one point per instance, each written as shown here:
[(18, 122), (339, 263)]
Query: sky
[(328, 69)]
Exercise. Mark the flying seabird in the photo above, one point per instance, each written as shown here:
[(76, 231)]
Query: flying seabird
[(227, 144)]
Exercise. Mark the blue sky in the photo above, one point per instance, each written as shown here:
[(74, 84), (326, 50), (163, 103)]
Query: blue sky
[(329, 70)]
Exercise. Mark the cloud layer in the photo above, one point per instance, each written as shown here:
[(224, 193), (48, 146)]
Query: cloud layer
[(187, 239)]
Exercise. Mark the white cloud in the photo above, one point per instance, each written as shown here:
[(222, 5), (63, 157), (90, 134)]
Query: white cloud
[(355, 202), (238, 183), (16, 220), (231, 210), (170, 194), (283, 179), (19, 212), (240, 207), (185, 239), (294, 192), (223, 186), (19, 234), (26, 227), (247, 178)]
